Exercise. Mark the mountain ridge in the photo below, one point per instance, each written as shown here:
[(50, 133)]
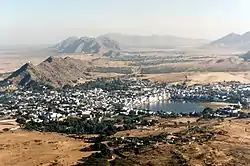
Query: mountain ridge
[(153, 40), (54, 72), (115, 42), (233, 40), (87, 45)]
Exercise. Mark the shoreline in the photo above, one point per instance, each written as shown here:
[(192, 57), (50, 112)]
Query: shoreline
[(216, 104)]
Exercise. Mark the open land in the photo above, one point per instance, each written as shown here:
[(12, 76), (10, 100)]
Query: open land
[(8, 124), (21, 148), (199, 77), (200, 65), (230, 147)]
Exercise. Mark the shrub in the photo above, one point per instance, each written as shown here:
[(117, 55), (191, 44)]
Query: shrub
[(121, 162)]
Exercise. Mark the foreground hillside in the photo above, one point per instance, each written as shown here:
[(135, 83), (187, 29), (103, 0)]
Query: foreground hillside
[(229, 146), (203, 143)]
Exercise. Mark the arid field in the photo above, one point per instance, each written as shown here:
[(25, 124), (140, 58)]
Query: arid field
[(191, 67), (200, 77), (231, 146), (21, 148), (8, 125)]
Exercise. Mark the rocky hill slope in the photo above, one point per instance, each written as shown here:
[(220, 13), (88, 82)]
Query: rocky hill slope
[(233, 40), (54, 71), (87, 45)]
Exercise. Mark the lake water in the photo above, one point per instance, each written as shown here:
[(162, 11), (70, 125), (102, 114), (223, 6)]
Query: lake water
[(173, 107)]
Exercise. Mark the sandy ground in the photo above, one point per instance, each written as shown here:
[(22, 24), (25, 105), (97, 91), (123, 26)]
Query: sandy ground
[(216, 104), (12, 63), (8, 124), (9, 64), (238, 130), (200, 77), (99, 61), (22, 148)]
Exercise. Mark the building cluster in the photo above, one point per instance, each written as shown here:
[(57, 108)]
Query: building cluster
[(232, 92), (91, 104), (97, 103)]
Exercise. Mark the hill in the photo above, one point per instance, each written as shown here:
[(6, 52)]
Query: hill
[(87, 45), (246, 56), (153, 41), (233, 40), (27, 74), (112, 43), (54, 71), (228, 146)]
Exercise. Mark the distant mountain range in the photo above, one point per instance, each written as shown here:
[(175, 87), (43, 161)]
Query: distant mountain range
[(154, 41), (246, 56), (114, 42), (233, 40), (54, 71), (86, 45)]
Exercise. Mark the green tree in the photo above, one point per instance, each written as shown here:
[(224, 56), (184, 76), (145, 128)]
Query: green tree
[(93, 161), (101, 138), (21, 120), (121, 162), (207, 111), (105, 151), (97, 146)]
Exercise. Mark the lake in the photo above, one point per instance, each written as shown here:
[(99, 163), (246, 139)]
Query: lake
[(178, 107)]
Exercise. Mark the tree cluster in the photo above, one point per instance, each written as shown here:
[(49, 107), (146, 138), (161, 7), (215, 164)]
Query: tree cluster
[(73, 126)]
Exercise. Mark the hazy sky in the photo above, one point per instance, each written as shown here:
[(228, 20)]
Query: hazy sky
[(47, 21)]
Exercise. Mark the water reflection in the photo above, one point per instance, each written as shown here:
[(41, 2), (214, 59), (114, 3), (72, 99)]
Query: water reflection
[(178, 107)]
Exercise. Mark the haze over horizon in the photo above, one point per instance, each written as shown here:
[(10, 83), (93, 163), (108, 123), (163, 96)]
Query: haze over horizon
[(47, 22)]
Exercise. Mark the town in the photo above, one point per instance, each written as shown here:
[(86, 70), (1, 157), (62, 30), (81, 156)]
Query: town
[(108, 98), (108, 107)]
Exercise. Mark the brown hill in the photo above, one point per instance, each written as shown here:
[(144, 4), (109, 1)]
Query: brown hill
[(54, 71), (225, 64), (25, 75)]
